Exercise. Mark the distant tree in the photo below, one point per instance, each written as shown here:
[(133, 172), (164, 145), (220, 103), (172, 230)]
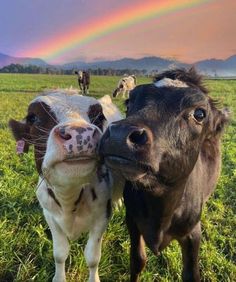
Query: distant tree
[(17, 68)]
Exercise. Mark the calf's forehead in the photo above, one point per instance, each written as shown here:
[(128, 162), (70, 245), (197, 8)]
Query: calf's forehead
[(171, 98), (64, 106)]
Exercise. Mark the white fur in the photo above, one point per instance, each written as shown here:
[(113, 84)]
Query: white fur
[(125, 85), (67, 105), (167, 82), (110, 111), (67, 221)]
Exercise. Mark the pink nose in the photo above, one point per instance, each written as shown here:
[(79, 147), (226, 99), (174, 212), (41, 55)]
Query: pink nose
[(77, 139)]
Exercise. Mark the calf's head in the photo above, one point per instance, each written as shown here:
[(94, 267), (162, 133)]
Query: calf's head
[(64, 130), (168, 124)]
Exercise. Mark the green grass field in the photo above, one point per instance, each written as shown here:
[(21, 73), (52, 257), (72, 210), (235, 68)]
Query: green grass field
[(25, 241)]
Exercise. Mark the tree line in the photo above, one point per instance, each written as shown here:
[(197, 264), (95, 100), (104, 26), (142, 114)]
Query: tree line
[(32, 69)]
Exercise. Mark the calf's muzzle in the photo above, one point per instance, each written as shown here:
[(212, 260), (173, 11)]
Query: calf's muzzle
[(77, 139), (124, 140)]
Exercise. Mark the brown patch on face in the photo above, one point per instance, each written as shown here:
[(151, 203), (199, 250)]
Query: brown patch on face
[(96, 115), (43, 121), (35, 130)]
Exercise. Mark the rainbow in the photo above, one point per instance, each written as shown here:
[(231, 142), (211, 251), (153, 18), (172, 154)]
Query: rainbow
[(77, 37)]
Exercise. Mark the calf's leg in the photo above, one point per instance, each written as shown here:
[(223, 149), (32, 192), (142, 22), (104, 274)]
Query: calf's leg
[(80, 85), (190, 248), (93, 249), (137, 250), (84, 89), (123, 93), (87, 90), (60, 250)]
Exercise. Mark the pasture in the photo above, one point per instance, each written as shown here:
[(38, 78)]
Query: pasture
[(25, 240)]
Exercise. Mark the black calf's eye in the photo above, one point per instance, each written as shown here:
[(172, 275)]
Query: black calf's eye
[(199, 115)]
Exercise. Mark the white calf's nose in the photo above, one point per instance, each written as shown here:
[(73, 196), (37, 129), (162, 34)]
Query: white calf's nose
[(78, 139)]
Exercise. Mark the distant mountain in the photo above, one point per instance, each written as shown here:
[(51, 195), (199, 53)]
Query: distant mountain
[(216, 67), (147, 63), (213, 67), (7, 60)]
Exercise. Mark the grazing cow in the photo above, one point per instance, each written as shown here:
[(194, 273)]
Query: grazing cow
[(168, 149), (74, 189), (125, 84), (83, 81)]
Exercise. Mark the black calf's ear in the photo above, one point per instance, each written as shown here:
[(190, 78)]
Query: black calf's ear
[(21, 132), (220, 120)]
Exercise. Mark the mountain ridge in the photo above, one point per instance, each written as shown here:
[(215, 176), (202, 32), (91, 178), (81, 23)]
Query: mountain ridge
[(213, 67), (7, 60)]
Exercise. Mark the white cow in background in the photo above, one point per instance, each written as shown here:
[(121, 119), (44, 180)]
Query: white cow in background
[(125, 84)]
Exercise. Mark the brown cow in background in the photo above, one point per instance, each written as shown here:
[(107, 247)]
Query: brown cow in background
[(83, 81)]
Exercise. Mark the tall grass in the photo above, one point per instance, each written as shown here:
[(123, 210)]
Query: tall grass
[(25, 240)]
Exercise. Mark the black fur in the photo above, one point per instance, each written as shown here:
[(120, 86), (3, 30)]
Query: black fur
[(171, 161)]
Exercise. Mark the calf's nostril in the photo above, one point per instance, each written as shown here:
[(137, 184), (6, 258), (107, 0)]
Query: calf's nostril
[(66, 136), (62, 133), (138, 137)]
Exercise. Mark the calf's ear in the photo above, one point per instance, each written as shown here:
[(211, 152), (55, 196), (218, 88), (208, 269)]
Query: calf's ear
[(21, 132), (220, 119), (110, 110)]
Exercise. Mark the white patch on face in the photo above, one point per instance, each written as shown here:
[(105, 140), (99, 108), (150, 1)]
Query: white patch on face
[(67, 106), (167, 82)]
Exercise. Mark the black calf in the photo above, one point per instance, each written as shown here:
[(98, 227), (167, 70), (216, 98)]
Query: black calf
[(168, 149)]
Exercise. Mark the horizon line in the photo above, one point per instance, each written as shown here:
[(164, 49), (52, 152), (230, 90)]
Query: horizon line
[(94, 60)]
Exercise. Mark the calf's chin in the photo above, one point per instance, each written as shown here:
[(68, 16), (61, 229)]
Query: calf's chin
[(72, 174)]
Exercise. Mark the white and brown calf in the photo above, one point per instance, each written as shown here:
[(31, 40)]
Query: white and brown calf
[(125, 85), (74, 189)]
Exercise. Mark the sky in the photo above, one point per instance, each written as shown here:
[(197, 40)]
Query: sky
[(61, 31)]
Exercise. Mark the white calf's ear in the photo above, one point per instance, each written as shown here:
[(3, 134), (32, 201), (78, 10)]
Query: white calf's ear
[(110, 110)]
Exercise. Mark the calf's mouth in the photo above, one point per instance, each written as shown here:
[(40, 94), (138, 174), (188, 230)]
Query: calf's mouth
[(80, 159), (131, 169)]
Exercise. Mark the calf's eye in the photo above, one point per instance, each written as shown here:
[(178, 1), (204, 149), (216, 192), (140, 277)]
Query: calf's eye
[(199, 115), (33, 119)]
